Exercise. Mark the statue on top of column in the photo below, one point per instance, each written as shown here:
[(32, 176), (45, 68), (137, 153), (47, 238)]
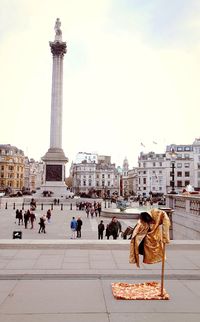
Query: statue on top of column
[(58, 35)]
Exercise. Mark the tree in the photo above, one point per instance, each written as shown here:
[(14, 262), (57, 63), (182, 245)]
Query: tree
[(69, 181)]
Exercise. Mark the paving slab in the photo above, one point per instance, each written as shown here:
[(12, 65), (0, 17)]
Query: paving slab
[(57, 317), (45, 297)]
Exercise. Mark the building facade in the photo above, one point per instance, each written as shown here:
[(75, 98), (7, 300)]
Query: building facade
[(97, 177), (33, 175), (152, 173), (11, 168), (185, 163)]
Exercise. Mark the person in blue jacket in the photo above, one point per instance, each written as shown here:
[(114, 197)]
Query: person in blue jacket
[(73, 226)]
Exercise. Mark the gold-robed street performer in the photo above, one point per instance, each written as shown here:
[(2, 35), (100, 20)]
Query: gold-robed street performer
[(148, 239)]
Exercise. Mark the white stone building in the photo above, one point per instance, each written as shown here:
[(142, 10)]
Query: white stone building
[(99, 178), (184, 161), (196, 167), (151, 173), (33, 175)]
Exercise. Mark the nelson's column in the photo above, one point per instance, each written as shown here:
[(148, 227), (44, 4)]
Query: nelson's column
[(55, 158)]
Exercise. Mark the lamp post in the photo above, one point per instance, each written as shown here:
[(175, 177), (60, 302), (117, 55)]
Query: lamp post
[(173, 155)]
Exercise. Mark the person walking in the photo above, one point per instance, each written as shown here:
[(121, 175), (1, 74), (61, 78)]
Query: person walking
[(48, 216), (114, 228), (20, 217), (79, 226), (101, 229), (26, 219), (42, 224), (73, 226), (32, 219)]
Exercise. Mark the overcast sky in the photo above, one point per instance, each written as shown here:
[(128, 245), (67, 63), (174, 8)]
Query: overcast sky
[(131, 75)]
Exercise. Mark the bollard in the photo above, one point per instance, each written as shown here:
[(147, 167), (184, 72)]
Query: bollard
[(61, 206), (71, 206), (52, 206), (6, 207), (14, 205), (41, 206), (23, 206)]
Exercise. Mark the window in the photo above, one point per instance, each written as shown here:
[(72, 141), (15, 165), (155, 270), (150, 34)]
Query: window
[(187, 182), (97, 183), (160, 164), (144, 180), (179, 148), (144, 165), (108, 183), (160, 171), (97, 176), (84, 182), (108, 176), (154, 164), (160, 188), (187, 165), (186, 156), (187, 173), (144, 172), (179, 174), (187, 148), (103, 176), (179, 165), (179, 183)]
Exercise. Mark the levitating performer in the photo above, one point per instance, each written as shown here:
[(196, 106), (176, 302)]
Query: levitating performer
[(148, 237)]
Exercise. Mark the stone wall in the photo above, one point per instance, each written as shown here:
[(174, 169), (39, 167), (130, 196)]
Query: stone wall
[(186, 216)]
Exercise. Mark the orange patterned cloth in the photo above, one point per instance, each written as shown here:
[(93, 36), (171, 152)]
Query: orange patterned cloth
[(140, 291)]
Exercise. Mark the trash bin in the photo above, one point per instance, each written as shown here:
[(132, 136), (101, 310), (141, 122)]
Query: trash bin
[(17, 234)]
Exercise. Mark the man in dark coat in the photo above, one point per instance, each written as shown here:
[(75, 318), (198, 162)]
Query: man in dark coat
[(101, 228), (79, 225)]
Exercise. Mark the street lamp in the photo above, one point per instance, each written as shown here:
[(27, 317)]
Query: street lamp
[(173, 155)]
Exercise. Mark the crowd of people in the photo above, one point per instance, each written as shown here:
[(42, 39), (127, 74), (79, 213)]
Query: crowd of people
[(112, 229), (29, 218), (91, 208)]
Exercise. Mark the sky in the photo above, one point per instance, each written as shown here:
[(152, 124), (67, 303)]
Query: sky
[(131, 75)]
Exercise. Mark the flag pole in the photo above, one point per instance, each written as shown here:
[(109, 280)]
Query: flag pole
[(163, 269)]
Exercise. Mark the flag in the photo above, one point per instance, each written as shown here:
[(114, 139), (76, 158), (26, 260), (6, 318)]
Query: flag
[(142, 144)]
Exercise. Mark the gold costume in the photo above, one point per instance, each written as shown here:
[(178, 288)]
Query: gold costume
[(152, 237)]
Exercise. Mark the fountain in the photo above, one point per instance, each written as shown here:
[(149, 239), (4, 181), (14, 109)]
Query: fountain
[(123, 211)]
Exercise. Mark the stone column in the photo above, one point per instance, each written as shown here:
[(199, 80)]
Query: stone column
[(55, 158), (58, 50)]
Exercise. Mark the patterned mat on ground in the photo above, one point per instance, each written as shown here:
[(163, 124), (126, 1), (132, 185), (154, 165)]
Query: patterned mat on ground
[(140, 291)]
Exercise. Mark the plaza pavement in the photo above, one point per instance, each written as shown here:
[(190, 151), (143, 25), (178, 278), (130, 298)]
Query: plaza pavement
[(53, 278)]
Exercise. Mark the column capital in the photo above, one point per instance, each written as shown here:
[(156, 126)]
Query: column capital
[(58, 48)]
